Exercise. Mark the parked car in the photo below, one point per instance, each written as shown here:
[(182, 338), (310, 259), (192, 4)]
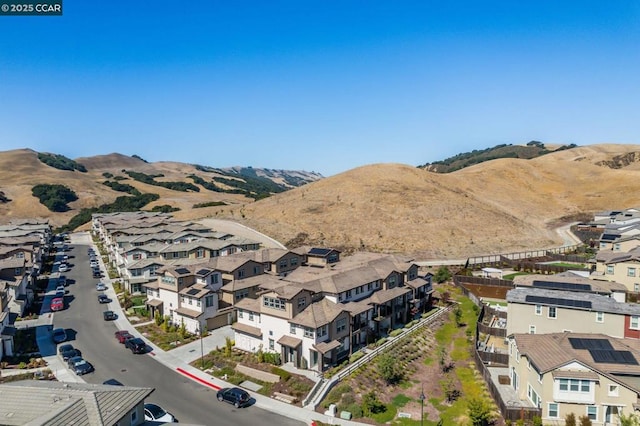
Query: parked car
[(63, 267), (109, 315), (73, 360), (236, 396), (123, 335), (67, 351), (155, 413), (59, 335), (97, 273), (101, 286), (82, 367), (65, 257), (137, 345), (103, 298), (57, 304), (94, 264), (62, 281)]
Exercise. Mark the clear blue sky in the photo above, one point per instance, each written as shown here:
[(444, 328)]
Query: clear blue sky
[(322, 86)]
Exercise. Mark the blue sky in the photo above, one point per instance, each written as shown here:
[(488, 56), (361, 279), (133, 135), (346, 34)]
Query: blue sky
[(322, 86)]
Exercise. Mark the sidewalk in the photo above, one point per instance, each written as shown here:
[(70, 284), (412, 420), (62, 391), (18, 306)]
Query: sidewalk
[(178, 359)]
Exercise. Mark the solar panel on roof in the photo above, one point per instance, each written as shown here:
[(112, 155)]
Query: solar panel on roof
[(595, 344), (561, 286), (609, 237), (193, 291), (319, 251), (613, 357), (203, 271), (182, 271), (572, 303)]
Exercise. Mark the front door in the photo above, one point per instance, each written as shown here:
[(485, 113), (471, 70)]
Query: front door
[(611, 415)]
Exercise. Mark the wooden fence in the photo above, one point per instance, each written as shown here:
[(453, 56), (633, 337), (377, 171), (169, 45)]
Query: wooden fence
[(497, 259)]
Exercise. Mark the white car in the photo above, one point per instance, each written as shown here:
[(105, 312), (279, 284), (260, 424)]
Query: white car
[(101, 286), (155, 413), (63, 267)]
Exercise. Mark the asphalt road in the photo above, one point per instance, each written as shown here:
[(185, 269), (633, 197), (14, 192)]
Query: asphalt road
[(188, 401)]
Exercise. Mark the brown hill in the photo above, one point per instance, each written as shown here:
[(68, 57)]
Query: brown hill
[(496, 206)]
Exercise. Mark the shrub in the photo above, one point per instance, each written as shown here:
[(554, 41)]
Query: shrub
[(479, 411), (284, 375), (355, 410), (585, 421), (381, 341), (396, 332), (389, 369), (335, 394), (60, 162), (272, 358), (372, 405), (54, 197), (570, 419), (356, 356)]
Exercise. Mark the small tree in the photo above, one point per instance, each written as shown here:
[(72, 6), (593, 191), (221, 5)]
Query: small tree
[(458, 315), (479, 411), (183, 330), (372, 405), (629, 420), (166, 324), (158, 319), (228, 346), (442, 274), (570, 419), (585, 421), (389, 369)]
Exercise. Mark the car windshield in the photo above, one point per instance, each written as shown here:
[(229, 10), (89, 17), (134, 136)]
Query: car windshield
[(155, 410), (80, 363)]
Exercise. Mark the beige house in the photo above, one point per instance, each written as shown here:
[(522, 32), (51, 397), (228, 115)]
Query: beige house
[(34, 402), (620, 267), (541, 311), (591, 375)]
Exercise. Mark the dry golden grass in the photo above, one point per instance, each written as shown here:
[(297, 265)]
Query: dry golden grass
[(493, 207)]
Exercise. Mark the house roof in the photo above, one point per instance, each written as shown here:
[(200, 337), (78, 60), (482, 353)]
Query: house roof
[(290, 341), (384, 296), (571, 300), (228, 263), (197, 291), (247, 329), (249, 304), (612, 257), (548, 352), (154, 302), (52, 403), (324, 347), (575, 283), (154, 285), (188, 312), (356, 308), (255, 281), (318, 314), (145, 263)]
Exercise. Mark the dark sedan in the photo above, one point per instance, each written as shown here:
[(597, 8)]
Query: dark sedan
[(68, 351), (109, 315), (103, 298), (82, 367), (236, 396), (137, 345)]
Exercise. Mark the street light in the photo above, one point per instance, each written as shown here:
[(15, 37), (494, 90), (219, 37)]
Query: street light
[(422, 398)]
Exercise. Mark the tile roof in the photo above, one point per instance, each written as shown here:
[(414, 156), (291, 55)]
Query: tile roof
[(196, 290), (244, 328), (58, 403), (188, 312), (262, 281), (548, 352), (384, 296), (318, 314), (290, 341)]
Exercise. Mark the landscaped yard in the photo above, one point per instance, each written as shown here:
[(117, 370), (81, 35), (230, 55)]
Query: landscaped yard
[(221, 363), (435, 360), (166, 339)]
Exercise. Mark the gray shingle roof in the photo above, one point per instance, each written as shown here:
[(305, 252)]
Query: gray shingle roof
[(32, 402)]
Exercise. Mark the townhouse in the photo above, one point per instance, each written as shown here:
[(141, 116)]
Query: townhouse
[(7, 330), (569, 281), (321, 312), (587, 374)]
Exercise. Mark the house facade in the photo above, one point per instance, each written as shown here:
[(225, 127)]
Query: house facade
[(591, 375)]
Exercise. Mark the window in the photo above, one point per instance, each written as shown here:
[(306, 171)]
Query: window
[(575, 385), (283, 263), (631, 272), (617, 246), (200, 253), (533, 396), (599, 316), (322, 331), (292, 329), (215, 278), (241, 273), (302, 302), (635, 322), (592, 412), (538, 309), (552, 410), (308, 332), (369, 286), (241, 294), (610, 270), (613, 390), (532, 329), (190, 301), (274, 303), (136, 256), (256, 270), (240, 313), (636, 287), (348, 294), (564, 384), (208, 301), (293, 261), (552, 312), (250, 316), (134, 416), (392, 281), (341, 325), (271, 344)]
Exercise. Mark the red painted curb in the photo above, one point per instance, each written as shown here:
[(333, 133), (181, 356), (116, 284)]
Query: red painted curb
[(197, 379)]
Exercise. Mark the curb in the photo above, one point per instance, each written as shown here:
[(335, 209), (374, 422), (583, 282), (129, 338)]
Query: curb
[(197, 379)]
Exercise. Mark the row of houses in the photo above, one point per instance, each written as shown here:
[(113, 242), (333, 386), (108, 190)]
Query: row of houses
[(573, 342), (24, 245), (308, 304)]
